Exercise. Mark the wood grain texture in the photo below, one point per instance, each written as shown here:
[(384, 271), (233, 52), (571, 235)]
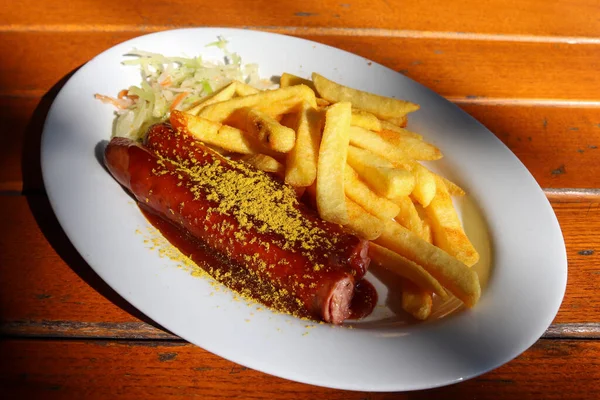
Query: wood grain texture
[(462, 69), (107, 369), (530, 17), (144, 331), (21, 124), (503, 61), (39, 265), (582, 241), (590, 330), (559, 145), (562, 195), (45, 279)]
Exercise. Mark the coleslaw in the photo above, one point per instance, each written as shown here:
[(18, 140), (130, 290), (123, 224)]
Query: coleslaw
[(173, 83)]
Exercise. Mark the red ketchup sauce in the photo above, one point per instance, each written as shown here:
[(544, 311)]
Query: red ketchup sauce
[(363, 302)]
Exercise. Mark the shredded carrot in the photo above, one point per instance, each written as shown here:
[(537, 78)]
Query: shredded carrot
[(166, 82), (123, 94), (178, 99), (110, 100)]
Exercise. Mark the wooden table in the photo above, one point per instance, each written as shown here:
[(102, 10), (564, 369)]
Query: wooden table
[(526, 69)]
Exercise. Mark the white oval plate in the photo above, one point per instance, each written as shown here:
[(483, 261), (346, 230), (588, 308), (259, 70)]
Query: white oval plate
[(384, 353)]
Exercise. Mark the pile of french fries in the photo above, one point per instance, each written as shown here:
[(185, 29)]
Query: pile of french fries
[(350, 152)]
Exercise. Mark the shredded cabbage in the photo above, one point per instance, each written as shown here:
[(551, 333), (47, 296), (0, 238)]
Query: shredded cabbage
[(173, 83)]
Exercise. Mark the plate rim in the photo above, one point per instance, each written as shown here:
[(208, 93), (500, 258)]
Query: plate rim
[(224, 31)]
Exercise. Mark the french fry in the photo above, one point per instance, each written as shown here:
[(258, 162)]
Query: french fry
[(388, 126), (264, 163), (408, 216), (214, 133), (414, 148), (416, 301), (425, 186), (365, 120), (455, 276), (405, 268), (427, 235), (380, 174), (225, 93), (301, 162), (362, 195), (382, 107), (452, 187), (322, 102), (271, 102), (373, 142), (243, 89), (293, 80), (362, 223), (448, 233), (264, 128), (400, 121), (331, 200)]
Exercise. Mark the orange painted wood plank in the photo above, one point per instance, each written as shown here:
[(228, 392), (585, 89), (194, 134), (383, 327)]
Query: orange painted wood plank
[(530, 17), (21, 124), (580, 224), (463, 69), (134, 370), (559, 145), (43, 278), (483, 69), (42, 275)]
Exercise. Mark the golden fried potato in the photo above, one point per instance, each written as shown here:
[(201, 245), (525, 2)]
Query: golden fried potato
[(382, 107), (424, 184), (380, 174), (426, 234), (362, 223), (408, 216), (365, 120), (243, 89), (359, 192), (214, 133), (293, 80), (264, 128), (413, 148), (331, 199), (400, 121), (455, 276), (301, 163), (270, 102), (416, 301), (264, 163), (452, 187), (373, 142), (388, 126), (322, 103), (448, 233), (225, 93), (403, 267)]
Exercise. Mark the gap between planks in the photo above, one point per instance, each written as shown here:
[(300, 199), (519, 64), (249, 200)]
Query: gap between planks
[(313, 31), (144, 331)]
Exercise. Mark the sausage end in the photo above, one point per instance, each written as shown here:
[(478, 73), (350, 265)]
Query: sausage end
[(116, 159)]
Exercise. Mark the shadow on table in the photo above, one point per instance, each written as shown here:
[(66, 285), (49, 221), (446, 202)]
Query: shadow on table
[(39, 205)]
